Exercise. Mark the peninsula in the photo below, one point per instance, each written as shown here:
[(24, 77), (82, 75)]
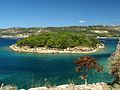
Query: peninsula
[(58, 42)]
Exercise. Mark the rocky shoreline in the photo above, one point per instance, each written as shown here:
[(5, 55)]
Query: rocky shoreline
[(93, 86), (116, 54), (44, 50), (97, 86)]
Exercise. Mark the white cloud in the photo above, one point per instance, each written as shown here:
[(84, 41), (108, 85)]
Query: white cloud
[(82, 21)]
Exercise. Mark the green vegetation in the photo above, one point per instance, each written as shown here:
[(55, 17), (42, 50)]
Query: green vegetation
[(112, 31), (60, 40)]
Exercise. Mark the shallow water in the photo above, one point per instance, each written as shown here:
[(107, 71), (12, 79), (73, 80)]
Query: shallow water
[(29, 70)]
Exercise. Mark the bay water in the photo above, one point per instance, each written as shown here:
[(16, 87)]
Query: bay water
[(26, 70)]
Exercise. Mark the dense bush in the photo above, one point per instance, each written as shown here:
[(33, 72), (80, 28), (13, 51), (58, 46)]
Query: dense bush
[(60, 40)]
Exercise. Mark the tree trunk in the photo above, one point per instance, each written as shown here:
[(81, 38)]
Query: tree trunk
[(86, 82)]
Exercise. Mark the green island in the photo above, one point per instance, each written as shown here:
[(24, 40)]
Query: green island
[(58, 42)]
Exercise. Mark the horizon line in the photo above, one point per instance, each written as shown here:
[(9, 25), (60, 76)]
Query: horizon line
[(58, 26)]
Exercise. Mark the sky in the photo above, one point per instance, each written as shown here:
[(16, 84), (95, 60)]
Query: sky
[(37, 13)]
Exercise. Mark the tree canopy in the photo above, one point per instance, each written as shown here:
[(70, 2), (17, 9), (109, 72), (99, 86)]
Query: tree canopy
[(60, 40), (86, 63)]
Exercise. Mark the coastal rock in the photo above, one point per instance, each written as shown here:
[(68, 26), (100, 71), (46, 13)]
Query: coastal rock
[(45, 50)]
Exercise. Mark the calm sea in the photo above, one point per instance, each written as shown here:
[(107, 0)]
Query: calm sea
[(30, 70)]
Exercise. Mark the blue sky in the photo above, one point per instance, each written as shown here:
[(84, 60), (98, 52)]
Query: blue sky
[(36, 13)]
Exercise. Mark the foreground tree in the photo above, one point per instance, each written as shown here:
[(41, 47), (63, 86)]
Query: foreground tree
[(86, 63)]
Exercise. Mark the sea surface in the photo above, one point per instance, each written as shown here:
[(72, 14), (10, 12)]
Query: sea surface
[(26, 70)]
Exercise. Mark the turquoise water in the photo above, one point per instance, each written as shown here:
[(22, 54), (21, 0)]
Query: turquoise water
[(29, 70)]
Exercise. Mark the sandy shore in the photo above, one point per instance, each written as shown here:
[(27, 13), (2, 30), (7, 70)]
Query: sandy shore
[(54, 50), (97, 86)]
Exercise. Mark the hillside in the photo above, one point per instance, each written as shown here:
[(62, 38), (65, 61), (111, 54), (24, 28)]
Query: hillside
[(97, 31)]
